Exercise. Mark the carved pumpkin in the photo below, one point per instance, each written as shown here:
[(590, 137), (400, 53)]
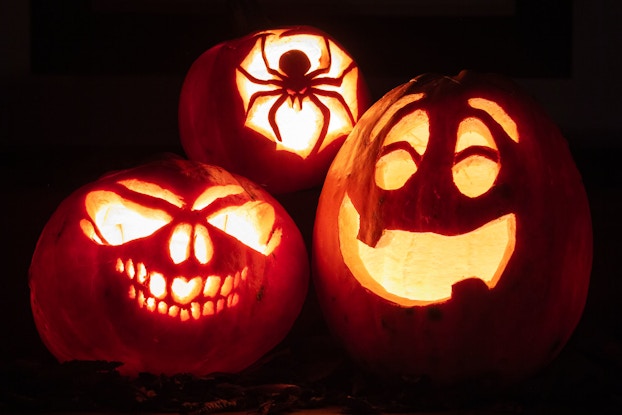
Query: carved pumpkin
[(273, 106), (169, 267), (453, 235)]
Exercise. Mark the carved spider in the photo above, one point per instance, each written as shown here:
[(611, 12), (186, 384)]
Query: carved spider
[(293, 81)]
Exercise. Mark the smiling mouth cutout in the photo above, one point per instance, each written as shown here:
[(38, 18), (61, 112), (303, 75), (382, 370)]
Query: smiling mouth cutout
[(420, 268), (183, 298)]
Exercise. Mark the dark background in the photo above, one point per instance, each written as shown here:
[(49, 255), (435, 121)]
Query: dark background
[(91, 86)]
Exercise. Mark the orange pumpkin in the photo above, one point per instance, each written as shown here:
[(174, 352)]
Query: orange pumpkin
[(273, 106), (453, 234), (169, 267)]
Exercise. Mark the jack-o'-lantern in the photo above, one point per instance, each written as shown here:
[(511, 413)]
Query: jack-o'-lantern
[(453, 235), (170, 267), (273, 106)]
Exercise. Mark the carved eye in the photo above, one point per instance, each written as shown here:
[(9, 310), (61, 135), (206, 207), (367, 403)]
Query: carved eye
[(476, 160), (404, 145), (118, 220), (251, 223)]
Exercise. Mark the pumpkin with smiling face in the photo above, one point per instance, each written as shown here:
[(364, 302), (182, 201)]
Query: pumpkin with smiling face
[(453, 235), (273, 106), (169, 267)]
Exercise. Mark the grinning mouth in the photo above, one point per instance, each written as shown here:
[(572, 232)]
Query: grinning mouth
[(180, 297), (420, 268)]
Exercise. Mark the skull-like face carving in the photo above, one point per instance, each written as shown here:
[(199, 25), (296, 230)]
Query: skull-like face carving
[(299, 90), (172, 266), (201, 244), (447, 168)]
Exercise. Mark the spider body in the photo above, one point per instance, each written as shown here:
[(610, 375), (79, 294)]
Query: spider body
[(293, 80), (274, 106)]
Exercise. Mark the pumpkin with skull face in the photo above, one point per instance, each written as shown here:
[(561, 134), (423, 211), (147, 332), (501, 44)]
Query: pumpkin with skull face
[(453, 235), (273, 106), (173, 266)]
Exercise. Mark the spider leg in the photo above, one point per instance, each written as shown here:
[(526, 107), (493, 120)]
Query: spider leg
[(270, 70), (326, 69), (336, 95), (276, 82), (333, 81), (272, 116), (260, 94), (325, 117)]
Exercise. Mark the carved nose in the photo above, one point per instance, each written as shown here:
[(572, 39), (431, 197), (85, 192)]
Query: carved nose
[(188, 241)]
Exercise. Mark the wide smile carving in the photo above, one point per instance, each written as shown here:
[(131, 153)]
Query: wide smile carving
[(181, 297), (419, 268)]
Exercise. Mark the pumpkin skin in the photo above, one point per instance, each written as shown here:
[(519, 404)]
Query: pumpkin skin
[(273, 106), (213, 298), (492, 330)]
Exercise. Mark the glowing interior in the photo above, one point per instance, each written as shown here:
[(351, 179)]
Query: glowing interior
[(181, 297), (498, 114), (114, 220), (419, 268), (410, 268), (299, 115), (394, 168), (119, 220), (474, 174), (389, 112)]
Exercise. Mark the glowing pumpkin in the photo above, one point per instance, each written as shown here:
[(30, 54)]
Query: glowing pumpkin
[(453, 235), (169, 267), (273, 106)]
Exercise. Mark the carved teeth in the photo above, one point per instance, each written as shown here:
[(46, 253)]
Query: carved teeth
[(227, 286), (151, 289), (212, 284)]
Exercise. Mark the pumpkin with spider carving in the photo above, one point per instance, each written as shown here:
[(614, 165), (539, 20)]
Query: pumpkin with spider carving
[(273, 106), (170, 267), (453, 235)]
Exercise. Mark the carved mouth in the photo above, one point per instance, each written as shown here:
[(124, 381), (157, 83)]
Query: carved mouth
[(181, 297), (419, 268)]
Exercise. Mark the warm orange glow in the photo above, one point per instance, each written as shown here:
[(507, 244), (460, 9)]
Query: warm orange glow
[(251, 223), (119, 220), (473, 132), (411, 268), (115, 220), (157, 285), (184, 291), (191, 297), (212, 285), (388, 113), (179, 244), (215, 192), (153, 190), (301, 105), (475, 174), (498, 114), (203, 248), (394, 169)]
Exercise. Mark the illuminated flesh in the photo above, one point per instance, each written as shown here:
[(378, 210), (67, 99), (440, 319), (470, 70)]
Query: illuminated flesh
[(180, 297), (116, 220), (324, 96), (418, 268)]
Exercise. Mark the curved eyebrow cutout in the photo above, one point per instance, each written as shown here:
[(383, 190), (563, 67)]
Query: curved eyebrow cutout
[(498, 114), (153, 190)]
